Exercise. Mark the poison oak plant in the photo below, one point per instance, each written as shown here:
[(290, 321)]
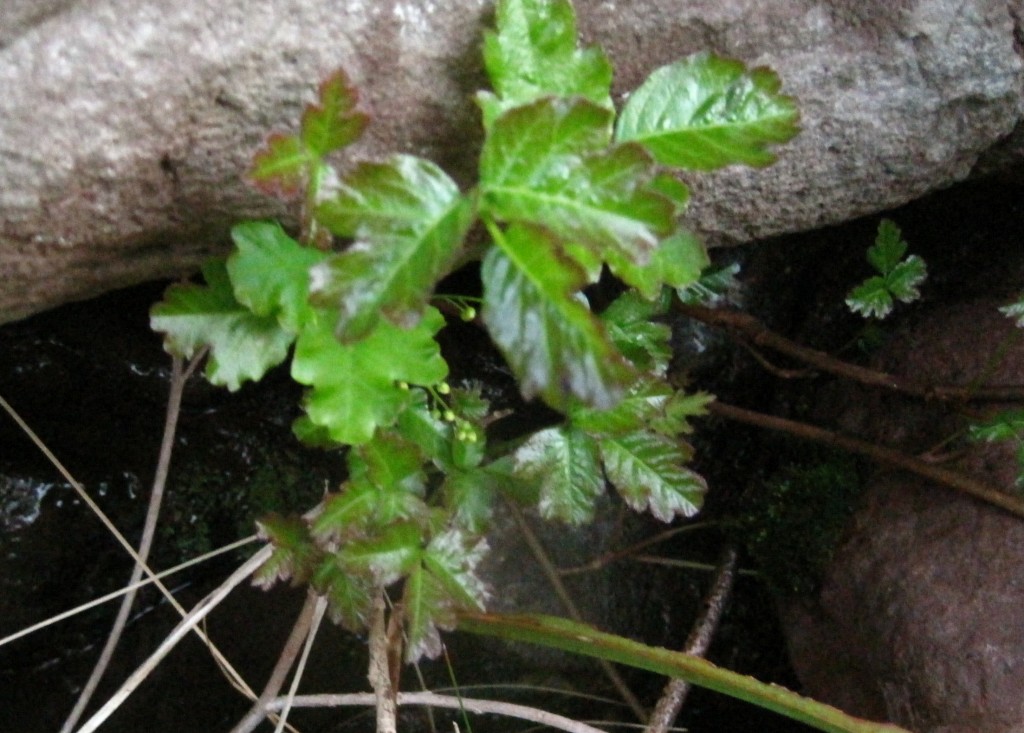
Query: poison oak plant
[(567, 190)]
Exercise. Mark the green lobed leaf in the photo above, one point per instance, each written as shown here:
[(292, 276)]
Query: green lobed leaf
[(677, 262), (564, 462), (888, 248), (642, 341), (1004, 425), (389, 462), (269, 272), (649, 472), (871, 298), (355, 387), (534, 53), (243, 346), (1015, 311), (646, 401), (349, 595), (294, 555), (444, 584), (548, 163), (409, 222), (706, 112), (469, 496), (386, 556), (333, 122), (713, 287), (360, 509), (898, 277), (554, 344), (281, 168), (905, 277)]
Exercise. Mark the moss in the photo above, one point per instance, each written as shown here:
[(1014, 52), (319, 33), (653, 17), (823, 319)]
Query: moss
[(792, 527)]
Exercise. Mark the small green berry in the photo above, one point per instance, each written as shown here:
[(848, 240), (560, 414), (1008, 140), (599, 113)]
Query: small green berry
[(443, 388), (449, 416), (468, 313)]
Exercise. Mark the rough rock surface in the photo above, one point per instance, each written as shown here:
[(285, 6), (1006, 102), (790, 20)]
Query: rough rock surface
[(125, 124), (919, 616)]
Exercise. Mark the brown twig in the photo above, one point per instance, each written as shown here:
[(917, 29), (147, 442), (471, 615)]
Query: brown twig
[(881, 454), (749, 327), (698, 642), (289, 653), (380, 670), (145, 544)]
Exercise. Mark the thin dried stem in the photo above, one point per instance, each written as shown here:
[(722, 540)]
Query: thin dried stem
[(495, 707), (551, 572), (318, 617), (127, 589), (233, 676), (187, 624), (145, 544), (289, 652), (698, 642)]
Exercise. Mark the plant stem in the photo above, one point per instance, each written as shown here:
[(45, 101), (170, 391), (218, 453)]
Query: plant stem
[(698, 642), (495, 707), (145, 544), (289, 652), (564, 634), (749, 327), (380, 670), (888, 456), (187, 624)]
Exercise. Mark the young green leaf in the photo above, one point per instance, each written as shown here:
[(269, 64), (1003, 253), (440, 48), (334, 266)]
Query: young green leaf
[(289, 163), (1015, 310), (386, 556), (898, 278), (888, 248), (409, 221), (534, 53), (281, 168), (706, 112), (1008, 426), (469, 496), (334, 122), (642, 341), (242, 345), (294, 555), (647, 401), (677, 262), (269, 272), (649, 472), (356, 386), (553, 343), (445, 583), (714, 286), (349, 595), (360, 509), (564, 462), (389, 462), (547, 163)]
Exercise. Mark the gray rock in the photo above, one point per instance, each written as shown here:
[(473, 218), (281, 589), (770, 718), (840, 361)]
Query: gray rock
[(919, 617), (125, 125)]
